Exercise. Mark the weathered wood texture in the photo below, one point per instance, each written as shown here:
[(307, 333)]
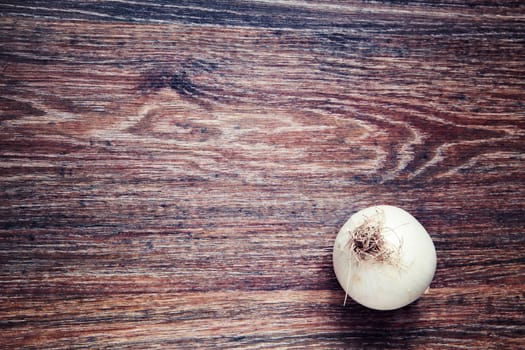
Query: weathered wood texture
[(173, 174)]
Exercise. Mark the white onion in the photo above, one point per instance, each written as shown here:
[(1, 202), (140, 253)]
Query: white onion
[(384, 258)]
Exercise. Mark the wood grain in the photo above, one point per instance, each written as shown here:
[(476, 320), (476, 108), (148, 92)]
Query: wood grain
[(174, 175)]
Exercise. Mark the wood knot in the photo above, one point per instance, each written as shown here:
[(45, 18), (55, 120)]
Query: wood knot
[(179, 81)]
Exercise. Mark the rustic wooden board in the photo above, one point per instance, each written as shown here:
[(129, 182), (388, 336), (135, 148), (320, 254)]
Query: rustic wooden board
[(174, 175)]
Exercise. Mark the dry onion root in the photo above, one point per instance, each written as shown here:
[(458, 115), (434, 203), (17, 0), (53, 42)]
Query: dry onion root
[(384, 258)]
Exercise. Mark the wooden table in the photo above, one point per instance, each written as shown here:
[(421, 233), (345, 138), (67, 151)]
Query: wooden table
[(173, 174)]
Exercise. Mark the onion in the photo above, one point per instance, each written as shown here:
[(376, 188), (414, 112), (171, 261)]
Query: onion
[(384, 258)]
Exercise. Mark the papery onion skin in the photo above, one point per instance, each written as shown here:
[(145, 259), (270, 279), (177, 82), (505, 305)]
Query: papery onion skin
[(397, 281)]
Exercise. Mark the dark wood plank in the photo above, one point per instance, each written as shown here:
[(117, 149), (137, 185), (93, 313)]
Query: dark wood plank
[(325, 14), (173, 176)]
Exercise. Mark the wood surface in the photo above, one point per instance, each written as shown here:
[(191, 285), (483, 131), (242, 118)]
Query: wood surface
[(174, 174)]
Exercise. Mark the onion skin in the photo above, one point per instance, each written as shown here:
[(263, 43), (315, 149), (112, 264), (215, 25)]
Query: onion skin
[(385, 283)]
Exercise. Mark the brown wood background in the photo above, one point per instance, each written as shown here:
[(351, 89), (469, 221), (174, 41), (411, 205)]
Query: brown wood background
[(173, 173)]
